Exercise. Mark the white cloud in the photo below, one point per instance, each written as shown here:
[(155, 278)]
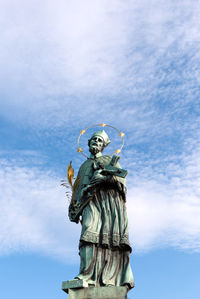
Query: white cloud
[(61, 61), (34, 213), (164, 208)]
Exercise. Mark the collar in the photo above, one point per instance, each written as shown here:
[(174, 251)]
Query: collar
[(93, 157)]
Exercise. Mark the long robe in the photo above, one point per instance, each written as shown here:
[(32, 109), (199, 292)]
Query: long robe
[(104, 243)]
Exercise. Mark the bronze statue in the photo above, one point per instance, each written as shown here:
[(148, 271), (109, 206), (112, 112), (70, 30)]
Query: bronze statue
[(99, 203)]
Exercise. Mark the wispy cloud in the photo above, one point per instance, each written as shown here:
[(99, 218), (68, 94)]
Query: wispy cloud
[(164, 202), (34, 213), (65, 60)]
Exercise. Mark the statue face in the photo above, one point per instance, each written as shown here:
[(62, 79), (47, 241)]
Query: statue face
[(96, 145)]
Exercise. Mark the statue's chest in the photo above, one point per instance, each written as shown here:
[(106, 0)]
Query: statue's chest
[(86, 172)]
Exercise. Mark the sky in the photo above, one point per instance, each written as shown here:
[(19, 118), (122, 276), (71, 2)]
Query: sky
[(65, 66)]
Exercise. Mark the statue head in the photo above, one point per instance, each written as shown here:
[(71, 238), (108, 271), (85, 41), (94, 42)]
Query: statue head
[(98, 142)]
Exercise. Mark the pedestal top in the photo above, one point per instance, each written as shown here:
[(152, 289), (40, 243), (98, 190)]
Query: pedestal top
[(74, 284)]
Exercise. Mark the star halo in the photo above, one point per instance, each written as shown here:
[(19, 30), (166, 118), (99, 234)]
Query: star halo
[(82, 132)]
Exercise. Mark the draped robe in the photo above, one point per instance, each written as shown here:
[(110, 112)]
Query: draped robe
[(104, 246)]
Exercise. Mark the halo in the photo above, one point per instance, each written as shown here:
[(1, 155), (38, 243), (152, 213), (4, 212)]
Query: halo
[(82, 132)]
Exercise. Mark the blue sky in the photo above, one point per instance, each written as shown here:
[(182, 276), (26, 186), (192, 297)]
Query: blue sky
[(67, 65)]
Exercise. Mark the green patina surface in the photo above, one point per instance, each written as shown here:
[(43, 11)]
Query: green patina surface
[(74, 284)]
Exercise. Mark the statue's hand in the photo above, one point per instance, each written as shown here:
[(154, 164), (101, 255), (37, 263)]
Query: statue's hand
[(86, 190), (72, 214), (98, 177)]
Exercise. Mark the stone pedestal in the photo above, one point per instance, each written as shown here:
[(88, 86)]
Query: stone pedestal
[(77, 290)]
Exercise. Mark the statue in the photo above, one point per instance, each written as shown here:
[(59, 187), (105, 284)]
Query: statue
[(99, 203)]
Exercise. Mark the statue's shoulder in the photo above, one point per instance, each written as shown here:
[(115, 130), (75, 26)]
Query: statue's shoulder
[(106, 158), (85, 165)]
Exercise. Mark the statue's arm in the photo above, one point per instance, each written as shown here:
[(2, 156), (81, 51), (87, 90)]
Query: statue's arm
[(101, 176)]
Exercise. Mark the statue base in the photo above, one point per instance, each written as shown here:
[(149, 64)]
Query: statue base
[(74, 284), (77, 289)]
